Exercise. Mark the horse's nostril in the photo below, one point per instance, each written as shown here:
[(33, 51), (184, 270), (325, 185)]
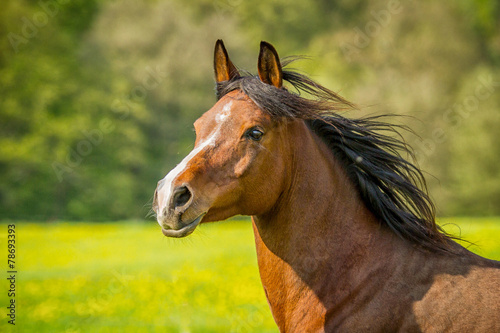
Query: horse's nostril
[(181, 196)]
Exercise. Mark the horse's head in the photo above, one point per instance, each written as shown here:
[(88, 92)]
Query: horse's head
[(236, 166)]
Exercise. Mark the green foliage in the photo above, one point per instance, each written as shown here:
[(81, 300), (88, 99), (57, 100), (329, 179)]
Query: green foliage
[(97, 98), (127, 277), (64, 148)]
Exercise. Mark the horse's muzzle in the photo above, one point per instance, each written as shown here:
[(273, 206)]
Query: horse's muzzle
[(173, 213), (183, 231)]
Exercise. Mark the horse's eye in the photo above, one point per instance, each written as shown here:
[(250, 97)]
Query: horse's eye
[(255, 134)]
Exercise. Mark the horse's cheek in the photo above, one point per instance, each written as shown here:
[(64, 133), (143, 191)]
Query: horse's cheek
[(242, 166)]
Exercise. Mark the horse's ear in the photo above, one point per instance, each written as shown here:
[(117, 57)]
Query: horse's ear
[(269, 65), (223, 67)]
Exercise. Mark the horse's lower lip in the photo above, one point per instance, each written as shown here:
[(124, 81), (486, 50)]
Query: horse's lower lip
[(183, 232)]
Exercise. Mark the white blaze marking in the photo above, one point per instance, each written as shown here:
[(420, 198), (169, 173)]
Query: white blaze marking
[(226, 111), (165, 192)]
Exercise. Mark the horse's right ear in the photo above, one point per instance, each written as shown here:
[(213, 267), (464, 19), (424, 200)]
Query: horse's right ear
[(223, 67)]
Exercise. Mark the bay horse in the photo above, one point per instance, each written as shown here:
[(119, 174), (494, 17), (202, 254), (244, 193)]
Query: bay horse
[(344, 228)]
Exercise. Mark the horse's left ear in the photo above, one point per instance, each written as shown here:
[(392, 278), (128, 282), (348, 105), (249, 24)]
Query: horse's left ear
[(269, 65), (223, 67)]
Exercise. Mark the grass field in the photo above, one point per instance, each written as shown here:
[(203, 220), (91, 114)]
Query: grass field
[(127, 277)]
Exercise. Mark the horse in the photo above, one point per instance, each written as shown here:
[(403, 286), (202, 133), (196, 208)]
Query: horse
[(344, 228)]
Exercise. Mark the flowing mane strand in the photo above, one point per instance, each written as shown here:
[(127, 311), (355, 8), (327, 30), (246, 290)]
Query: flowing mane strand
[(370, 150)]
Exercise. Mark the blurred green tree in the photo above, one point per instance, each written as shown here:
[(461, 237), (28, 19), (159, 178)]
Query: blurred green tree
[(98, 98), (65, 153)]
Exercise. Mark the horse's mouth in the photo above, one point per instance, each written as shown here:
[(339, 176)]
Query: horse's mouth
[(184, 231)]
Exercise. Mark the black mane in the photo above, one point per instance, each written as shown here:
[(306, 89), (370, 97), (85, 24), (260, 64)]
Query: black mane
[(370, 149)]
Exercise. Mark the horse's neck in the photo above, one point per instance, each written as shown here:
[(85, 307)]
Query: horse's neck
[(320, 236), (327, 265)]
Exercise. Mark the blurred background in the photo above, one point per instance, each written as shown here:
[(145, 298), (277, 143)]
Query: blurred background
[(97, 101), (97, 98)]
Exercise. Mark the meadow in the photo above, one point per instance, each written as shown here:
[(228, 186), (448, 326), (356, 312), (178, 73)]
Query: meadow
[(128, 277)]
